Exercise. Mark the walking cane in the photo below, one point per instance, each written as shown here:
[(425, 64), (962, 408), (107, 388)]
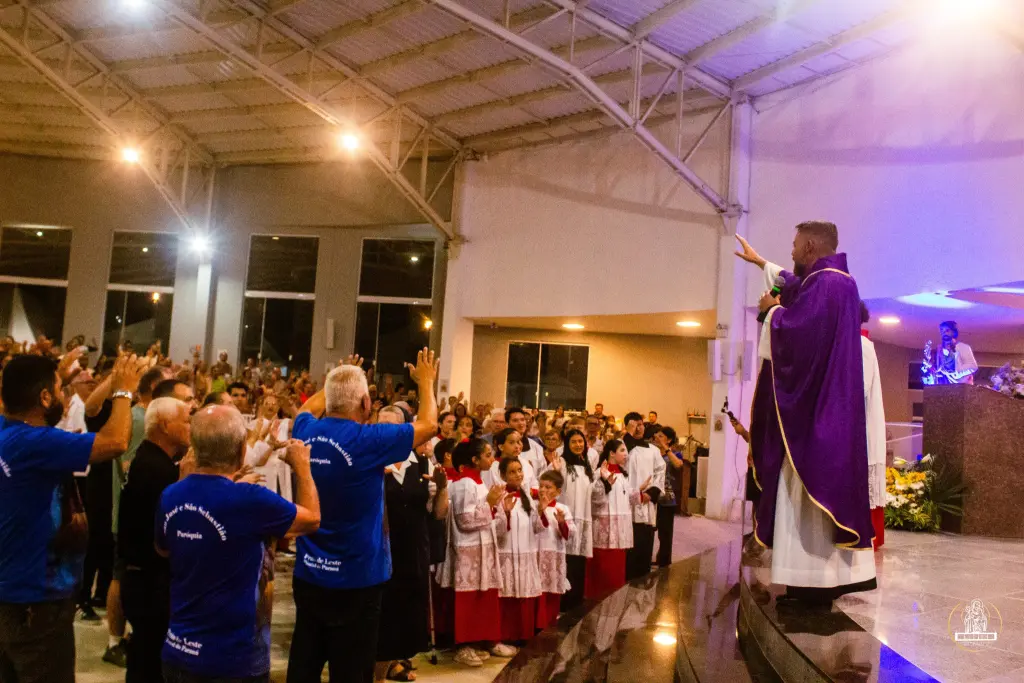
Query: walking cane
[(430, 604)]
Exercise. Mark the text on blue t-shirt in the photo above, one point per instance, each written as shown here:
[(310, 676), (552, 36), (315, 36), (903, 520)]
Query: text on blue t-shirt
[(347, 460), (215, 531)]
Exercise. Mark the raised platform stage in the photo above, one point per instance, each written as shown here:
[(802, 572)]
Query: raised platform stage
[(711, 618)]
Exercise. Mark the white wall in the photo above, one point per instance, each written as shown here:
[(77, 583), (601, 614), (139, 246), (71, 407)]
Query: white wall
[(918, 158), (591, 227)]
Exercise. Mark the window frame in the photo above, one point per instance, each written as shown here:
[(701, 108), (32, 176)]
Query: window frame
[(540, 352)]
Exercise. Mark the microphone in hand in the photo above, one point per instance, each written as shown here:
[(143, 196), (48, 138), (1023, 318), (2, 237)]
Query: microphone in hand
[(776, 290)]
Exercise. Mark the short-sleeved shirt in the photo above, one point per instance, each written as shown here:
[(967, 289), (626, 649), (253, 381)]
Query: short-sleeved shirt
[(214, 531), (34, 461), (124, 461), (347, 460), (152, 471)]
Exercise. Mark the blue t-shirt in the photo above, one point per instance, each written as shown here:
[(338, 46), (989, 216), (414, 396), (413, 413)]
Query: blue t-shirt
[(215, 530), (33, 463), (348, 460)]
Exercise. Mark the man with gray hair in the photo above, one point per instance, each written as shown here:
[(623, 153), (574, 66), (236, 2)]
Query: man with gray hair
[(146, 582), (340, 571), (214, 530)]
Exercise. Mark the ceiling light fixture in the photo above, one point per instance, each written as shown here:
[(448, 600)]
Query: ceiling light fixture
[(572, 326), (428, 324), (414, 259), (200, 244), (39, 233), (688, 323), (155, 297), (275, 238), (889, 320), (145, 250), (130, 155), (934, 300), (349, 141), (1004, 290)]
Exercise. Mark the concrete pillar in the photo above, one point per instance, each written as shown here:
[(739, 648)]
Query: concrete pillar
[(191, 309), (88, 273), (456, 349), (737, 331), (337, 288)]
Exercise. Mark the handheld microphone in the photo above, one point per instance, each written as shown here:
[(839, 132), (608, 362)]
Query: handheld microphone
[(725, 409), (776, 290)]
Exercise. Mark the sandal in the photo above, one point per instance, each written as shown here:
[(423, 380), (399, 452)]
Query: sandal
[(403, 674)]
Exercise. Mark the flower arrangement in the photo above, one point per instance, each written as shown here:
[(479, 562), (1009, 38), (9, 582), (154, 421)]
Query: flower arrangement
[(1009, 380), (917, 494)]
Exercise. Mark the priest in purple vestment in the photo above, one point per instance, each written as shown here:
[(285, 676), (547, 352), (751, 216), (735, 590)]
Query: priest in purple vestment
[(808, 425)]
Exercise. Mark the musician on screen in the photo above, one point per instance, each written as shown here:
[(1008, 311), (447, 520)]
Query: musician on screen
[(952, 363)]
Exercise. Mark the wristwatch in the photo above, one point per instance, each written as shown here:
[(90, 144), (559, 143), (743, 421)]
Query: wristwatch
[(121, 394)]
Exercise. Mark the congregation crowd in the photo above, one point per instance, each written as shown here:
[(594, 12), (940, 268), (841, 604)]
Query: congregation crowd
[(162, 492)]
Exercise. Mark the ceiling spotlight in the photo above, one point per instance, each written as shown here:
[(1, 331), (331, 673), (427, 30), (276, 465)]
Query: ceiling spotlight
[(39, 233), (349, 141), (145, 250), (155, 297), (428, 324), (889, 320), (130, 155), (662, 638), (688, 323), (414, 259), (572, 326), (275, 238), (200, 244)]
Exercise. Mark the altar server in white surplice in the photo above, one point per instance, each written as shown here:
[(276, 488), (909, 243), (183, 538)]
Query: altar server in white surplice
[(517, 555), (646, 470), (577, 494), (876, 430), (614, 497), (555, 526)]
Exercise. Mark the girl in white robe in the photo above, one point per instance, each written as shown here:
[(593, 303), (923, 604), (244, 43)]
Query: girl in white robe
[(470, 567), (517, 555), (577, 495), (614, 497), (508, 443), (555, 526)]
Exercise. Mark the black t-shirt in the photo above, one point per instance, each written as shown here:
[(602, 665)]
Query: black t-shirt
[(150, 473), (99, 484)]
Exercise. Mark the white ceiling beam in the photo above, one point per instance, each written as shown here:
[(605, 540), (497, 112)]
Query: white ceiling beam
[(695, 99), (125, 30), (586, 85), (713, 84), (190, 59), (660, 17), (612, 78), (498, 70), (439, 47), (61, 150), (852, 35), (329, 112), (783, 12), (375, 20), (164, 139)]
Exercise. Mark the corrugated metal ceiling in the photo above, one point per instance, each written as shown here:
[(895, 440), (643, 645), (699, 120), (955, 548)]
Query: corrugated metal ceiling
[(436, 64)]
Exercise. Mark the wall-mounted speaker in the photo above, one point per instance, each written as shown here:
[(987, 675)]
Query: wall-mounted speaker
[(329, 334)]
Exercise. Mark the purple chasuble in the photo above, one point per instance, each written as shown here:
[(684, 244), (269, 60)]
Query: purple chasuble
[(809, 404)]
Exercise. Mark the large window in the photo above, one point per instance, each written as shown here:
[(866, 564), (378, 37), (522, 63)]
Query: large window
[(277, 318), (33, 281), (140, 291), (394, 315), (546, 376)]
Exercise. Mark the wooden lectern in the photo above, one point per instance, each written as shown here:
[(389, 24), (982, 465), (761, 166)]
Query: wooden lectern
[(979, 434)]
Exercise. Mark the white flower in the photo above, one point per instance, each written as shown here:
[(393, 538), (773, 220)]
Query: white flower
[(917, 485), (927, 458)]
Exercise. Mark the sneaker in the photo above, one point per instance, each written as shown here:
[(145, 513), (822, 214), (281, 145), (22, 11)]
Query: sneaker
[(116, 655), (503, 650), (482, 655), (88, 613), (467, 657)]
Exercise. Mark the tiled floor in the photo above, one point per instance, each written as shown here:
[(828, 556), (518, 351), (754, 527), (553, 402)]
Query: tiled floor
[(692, 535), (922, 578)]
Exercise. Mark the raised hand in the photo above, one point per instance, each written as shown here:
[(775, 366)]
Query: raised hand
[(425, 371), (296, 455), (749, 254), (495, 494), (67, 364), (559, 515), (126, 374), (440, 478), (508, 503), (353, 359)]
